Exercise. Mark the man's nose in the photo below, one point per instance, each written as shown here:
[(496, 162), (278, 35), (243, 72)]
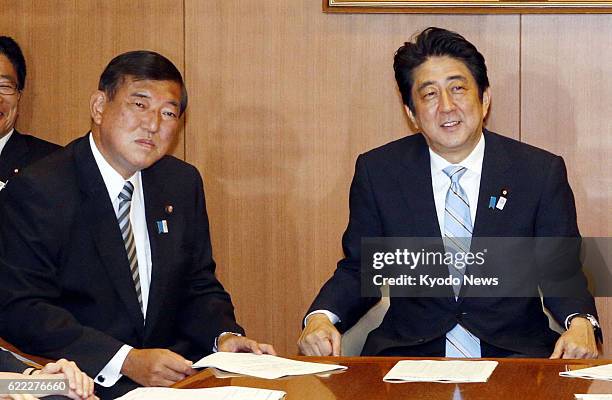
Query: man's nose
[(151, 121), (446, 102)]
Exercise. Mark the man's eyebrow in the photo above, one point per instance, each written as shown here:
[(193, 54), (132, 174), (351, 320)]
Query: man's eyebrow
[(449, 78), (173, 103), (457, 77), (140, 95), (8, 78), (424, 85)]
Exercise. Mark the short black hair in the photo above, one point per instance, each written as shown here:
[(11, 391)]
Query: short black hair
[(437, 42), (12, 51), (140, 65)]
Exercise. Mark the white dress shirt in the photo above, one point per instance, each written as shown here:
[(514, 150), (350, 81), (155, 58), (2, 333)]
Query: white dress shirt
[(5, 139), (114, 183)]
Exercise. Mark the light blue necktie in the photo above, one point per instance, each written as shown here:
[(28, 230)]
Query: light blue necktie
[(457, 239)]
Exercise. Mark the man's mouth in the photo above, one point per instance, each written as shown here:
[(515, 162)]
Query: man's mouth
[(145, 143), (450, 124)]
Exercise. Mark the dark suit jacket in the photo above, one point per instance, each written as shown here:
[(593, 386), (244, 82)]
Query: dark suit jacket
[(8, 363), (66, 289), (391, 196), (20, 151)]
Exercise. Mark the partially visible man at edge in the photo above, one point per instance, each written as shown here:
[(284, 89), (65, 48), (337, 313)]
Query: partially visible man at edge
[(105, 252), (17, 150), (433, 184)]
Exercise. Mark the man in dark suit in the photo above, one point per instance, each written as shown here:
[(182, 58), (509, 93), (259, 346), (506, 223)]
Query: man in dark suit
[(105, 253), (440, 183), (16, 150)]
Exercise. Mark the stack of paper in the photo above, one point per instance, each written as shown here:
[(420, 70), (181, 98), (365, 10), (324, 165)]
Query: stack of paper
[(263, 366), (602, 372), (217, 393), (593, 396), (440, 371)]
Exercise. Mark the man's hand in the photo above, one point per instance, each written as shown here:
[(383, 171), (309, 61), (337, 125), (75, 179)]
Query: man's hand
[(240, 344), (320, 337), (577, 342), (17, 397), (81, 386), (156, 367)]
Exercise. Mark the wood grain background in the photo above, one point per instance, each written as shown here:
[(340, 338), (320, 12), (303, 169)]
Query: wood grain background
[(283, 97)]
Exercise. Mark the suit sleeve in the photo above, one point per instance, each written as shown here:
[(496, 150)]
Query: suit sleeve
[(208, 309), (8, 363), (563, 283), (32, 244), (341, 294)]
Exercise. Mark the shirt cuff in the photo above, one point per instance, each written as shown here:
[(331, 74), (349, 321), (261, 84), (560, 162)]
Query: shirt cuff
[(567, 319), (332, 317), (111, 372), (215, 347)]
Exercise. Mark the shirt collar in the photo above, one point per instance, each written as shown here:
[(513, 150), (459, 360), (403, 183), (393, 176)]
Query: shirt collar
[(4, 140), (473, 162), (112, 179)]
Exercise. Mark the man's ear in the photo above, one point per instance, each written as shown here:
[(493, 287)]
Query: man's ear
[(486, 102), (97, 104), (411, 116)]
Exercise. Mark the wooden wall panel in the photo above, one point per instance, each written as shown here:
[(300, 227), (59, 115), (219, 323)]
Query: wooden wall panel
[(67, 44), (566, 94), (284, 98)]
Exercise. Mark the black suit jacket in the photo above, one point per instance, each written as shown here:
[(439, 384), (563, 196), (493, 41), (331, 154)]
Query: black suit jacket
[(8, 363), (66, 286), (391, 196), (20, 151)]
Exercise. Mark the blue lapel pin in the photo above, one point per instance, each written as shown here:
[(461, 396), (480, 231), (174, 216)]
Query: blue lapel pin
[(492, 202), (162, 226)]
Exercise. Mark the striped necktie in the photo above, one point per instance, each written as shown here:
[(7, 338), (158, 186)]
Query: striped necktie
[(457, 239), (123, 217)]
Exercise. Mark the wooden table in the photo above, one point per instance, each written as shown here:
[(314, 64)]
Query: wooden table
[(513, 379)]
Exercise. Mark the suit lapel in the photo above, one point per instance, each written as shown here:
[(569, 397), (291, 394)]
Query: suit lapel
[(415, 183), (15, 150), (100, 216), (156, 201), (494, 178)]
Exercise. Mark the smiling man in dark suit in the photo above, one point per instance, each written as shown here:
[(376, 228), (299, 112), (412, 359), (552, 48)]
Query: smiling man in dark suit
[(439, 183), (105, 253), (16, 150)]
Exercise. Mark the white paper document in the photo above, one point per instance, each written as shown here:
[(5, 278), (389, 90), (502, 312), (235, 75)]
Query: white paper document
[(602, 372), (440, 371), (593, 396), (264, 365), (217, 393)]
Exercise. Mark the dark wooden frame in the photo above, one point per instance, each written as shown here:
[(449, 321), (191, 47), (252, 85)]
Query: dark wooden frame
[(469, 7)]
